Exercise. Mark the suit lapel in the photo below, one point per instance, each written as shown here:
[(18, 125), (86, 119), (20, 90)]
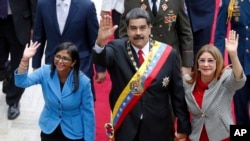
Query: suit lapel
[(160, 14), (72, 12), (148, 9), (54, 84), (67, 88)]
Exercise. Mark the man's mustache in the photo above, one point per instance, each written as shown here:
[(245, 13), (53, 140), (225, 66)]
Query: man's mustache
[(138, 37)]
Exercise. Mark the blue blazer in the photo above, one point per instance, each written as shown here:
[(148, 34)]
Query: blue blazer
[(81, 28), (74, 112)]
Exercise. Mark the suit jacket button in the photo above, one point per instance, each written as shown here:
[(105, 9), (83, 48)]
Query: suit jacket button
[(203, 114)]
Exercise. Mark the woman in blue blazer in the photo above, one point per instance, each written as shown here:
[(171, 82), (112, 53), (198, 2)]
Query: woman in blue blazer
[(68, 113)]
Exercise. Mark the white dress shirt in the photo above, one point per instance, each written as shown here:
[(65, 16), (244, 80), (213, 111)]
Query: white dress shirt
[(145, 50), (157, 4), (62, 11)]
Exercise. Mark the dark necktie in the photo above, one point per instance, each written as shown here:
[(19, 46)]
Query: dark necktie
[(3, 9), (154, 8), (140, 57)]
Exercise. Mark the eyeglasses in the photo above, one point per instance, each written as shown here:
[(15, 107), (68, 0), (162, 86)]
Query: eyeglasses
[(63, 58), (209, 61)]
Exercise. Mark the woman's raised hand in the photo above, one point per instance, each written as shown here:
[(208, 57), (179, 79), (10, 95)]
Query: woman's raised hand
[(231, 43), (30, 49)]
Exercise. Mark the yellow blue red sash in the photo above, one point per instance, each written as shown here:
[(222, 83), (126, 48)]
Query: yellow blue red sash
[(146, 73)]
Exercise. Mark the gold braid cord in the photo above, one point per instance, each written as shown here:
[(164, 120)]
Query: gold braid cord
[(230, 10)]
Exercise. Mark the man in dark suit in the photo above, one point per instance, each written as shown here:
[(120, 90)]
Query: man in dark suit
[(142, 85), (170, 25), (78, 25), (15, 32)]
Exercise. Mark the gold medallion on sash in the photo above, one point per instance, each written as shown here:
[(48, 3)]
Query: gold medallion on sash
[(136, 86)]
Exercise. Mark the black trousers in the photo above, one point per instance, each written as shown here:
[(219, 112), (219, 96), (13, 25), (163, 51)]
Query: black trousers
[(200, 38), (10, 45), (56, 135)]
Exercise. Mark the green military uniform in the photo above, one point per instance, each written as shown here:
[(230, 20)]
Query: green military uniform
[(171, 25)]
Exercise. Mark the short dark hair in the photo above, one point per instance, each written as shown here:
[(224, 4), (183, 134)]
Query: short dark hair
[(74, 54), (137, 13)]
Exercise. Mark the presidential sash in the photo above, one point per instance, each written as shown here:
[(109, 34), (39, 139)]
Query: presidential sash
[(137, 85)]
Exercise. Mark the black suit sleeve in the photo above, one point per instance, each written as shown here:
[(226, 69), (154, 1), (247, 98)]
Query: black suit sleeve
[(178, 98), (33, 10), (39, 36)]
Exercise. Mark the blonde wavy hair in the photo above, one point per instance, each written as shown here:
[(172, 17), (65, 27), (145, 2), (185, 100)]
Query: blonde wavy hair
[(214, 51)]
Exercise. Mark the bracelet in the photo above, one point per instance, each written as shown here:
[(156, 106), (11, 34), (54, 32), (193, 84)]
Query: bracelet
[(21, 67), (24, 64), (24, 60)]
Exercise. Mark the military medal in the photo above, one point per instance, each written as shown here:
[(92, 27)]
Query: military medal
[(236, 11), (165, 81), (144, 6), (169, 19), (164, 7), (169, 26), (236, 19)]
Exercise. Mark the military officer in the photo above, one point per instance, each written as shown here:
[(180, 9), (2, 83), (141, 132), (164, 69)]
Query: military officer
[(235, 14)]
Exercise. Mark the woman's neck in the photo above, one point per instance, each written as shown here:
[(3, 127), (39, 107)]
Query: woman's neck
[(206, 80), (63, 76)]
